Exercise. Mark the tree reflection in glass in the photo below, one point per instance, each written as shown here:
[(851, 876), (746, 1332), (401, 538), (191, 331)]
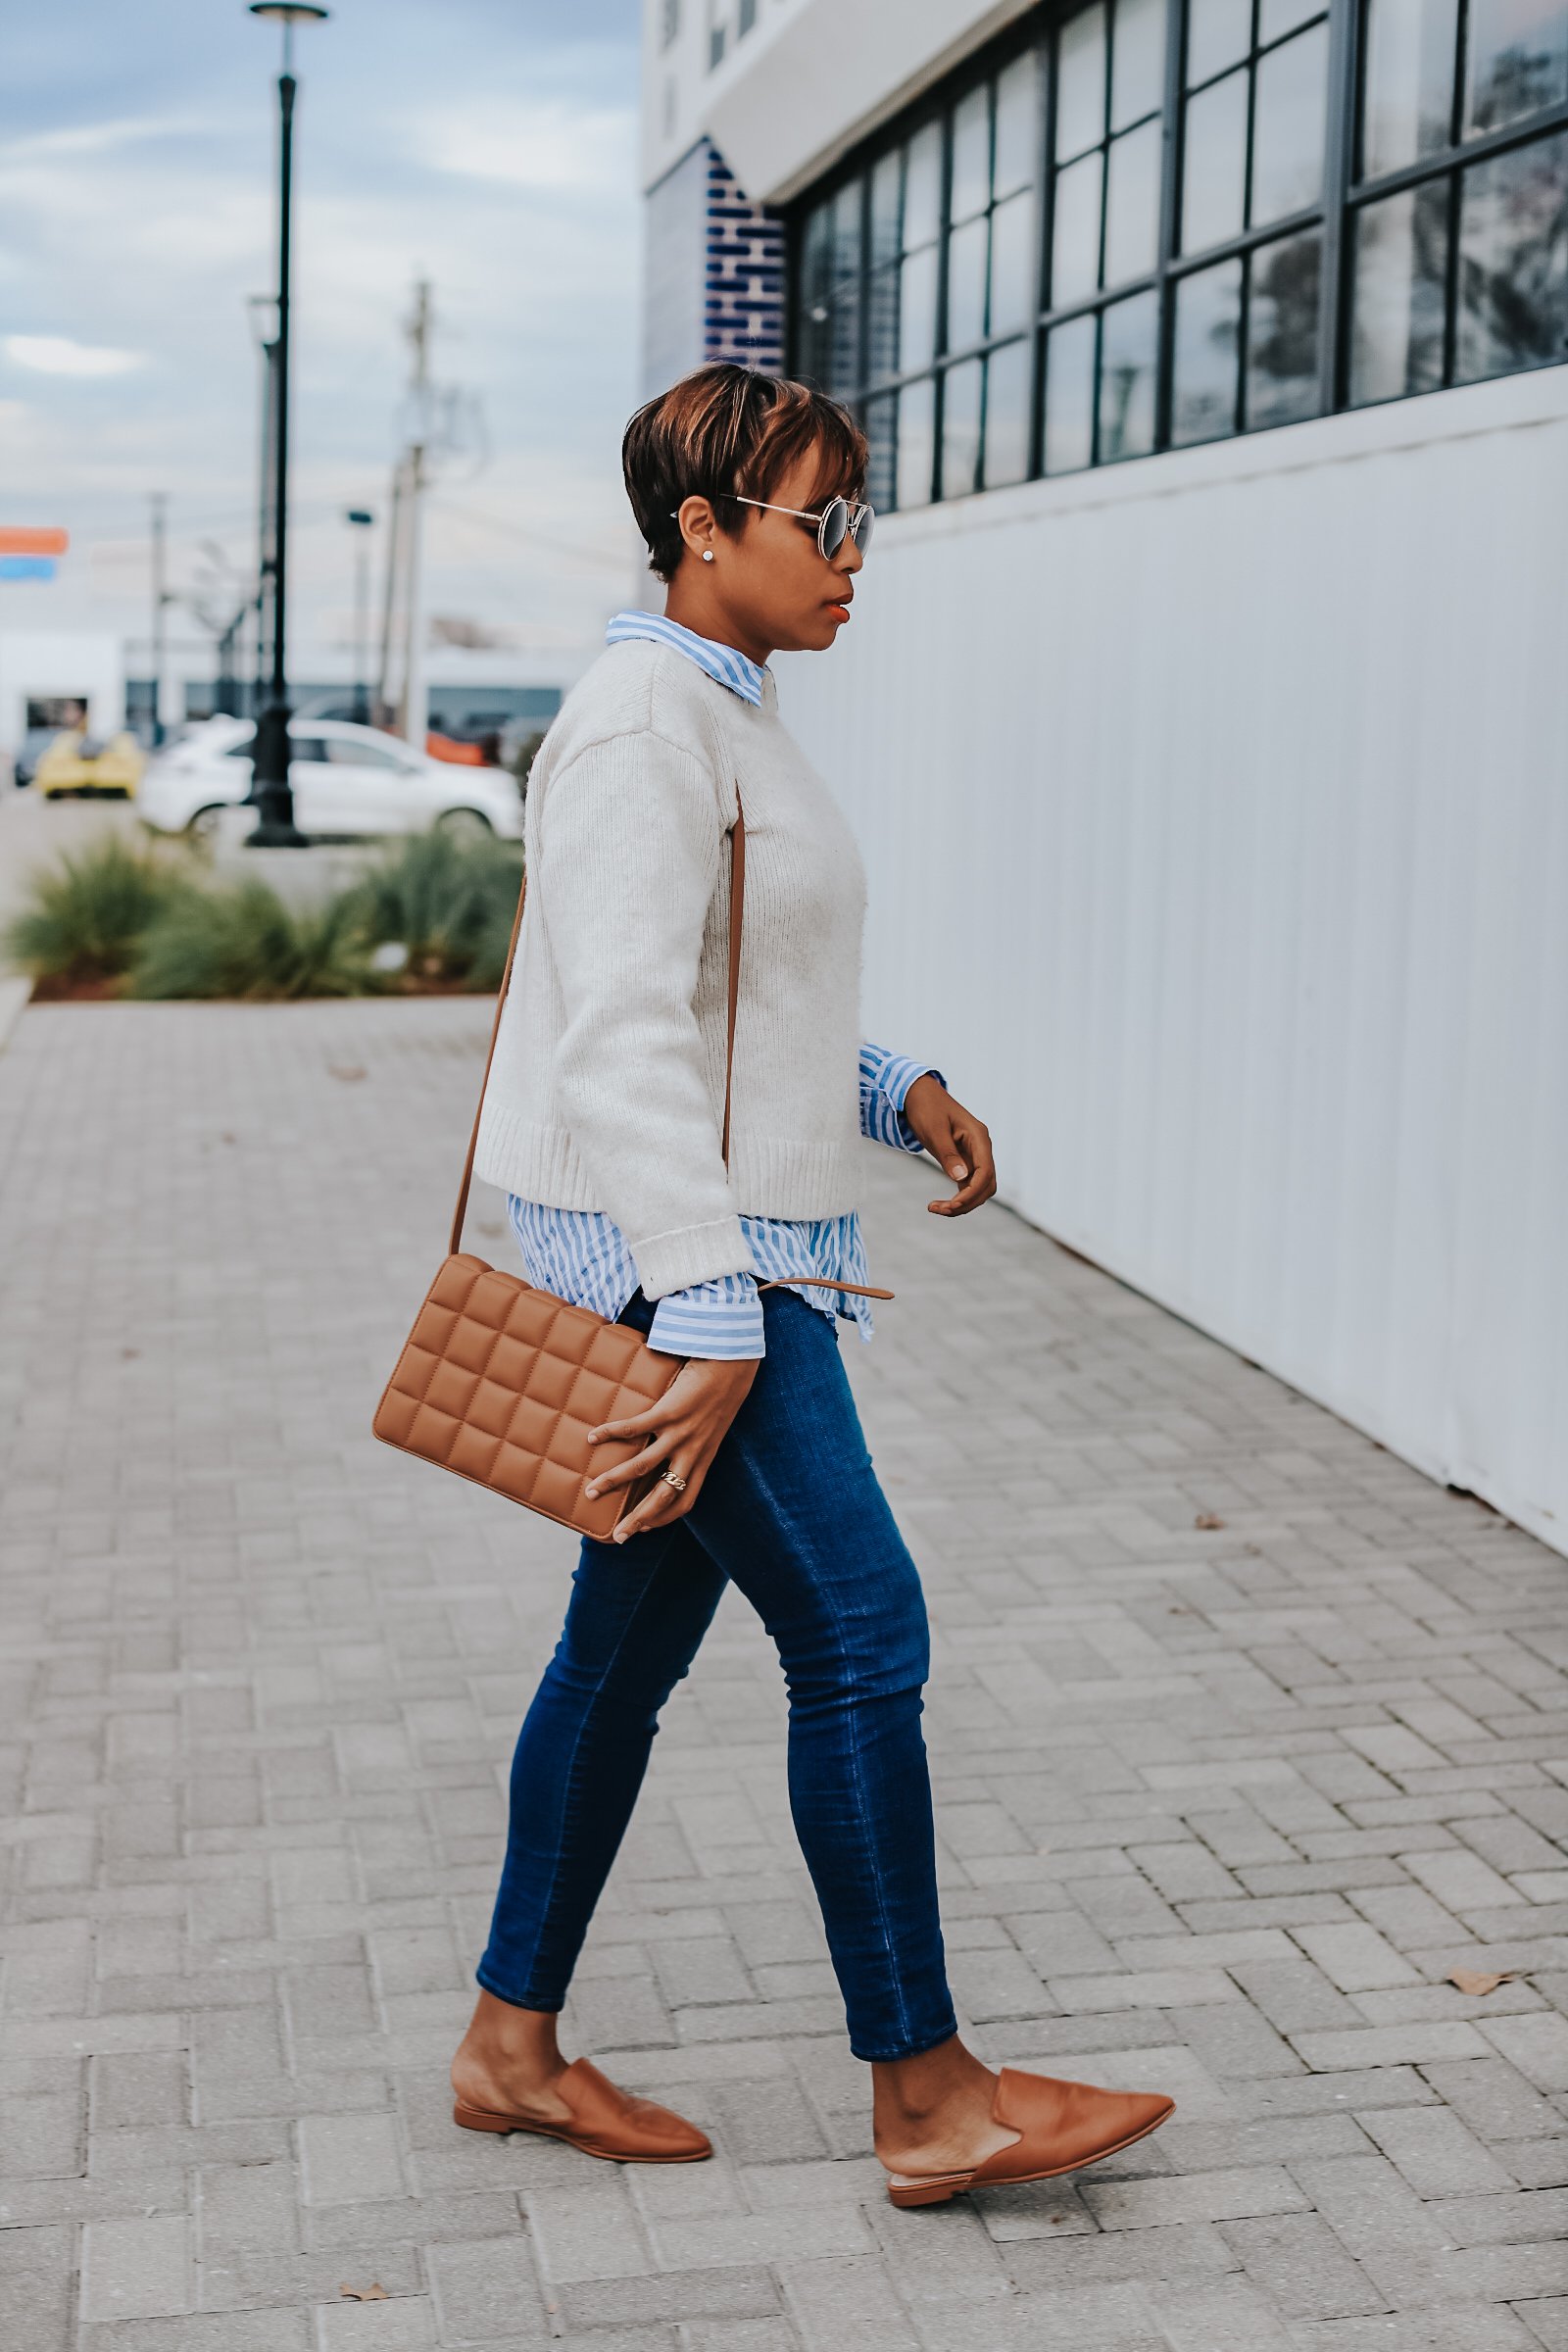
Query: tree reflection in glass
[(1513, 261), (1409, 82), (1070, 397), (1282, 331), (1401, 271), (1517, 60), (1130, 336), (1208, 310)]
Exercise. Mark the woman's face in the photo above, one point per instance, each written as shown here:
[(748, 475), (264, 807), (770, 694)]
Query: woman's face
[(769, 585)]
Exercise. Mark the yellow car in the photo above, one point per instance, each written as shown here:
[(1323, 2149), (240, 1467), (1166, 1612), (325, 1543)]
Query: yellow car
[(77, 767)]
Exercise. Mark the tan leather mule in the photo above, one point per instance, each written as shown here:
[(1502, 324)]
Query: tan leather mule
[(606, 2120), (1060, 2125)]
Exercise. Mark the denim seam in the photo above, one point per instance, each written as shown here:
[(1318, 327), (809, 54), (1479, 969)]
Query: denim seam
[(571, 1767)]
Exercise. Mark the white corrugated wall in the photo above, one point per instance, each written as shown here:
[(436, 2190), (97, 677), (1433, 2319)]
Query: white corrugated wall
[(1215, 807)]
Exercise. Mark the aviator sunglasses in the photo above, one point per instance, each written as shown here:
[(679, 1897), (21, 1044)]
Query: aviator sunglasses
[(837, 518)]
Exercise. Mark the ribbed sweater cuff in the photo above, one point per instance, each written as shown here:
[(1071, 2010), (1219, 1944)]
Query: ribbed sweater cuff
[(673, 1261)]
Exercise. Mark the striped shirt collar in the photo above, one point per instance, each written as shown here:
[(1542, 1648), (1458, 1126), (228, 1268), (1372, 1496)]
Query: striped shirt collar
[(722, 664)]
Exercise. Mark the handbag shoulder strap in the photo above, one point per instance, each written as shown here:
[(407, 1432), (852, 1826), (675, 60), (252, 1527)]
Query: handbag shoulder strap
[(737, 914)]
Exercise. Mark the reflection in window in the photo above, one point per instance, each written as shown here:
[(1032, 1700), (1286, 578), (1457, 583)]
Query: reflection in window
[(1517, 60), (1132, 205), (1288, 126), (1006, 455), (1075, 241), (1204, 378), (1409, 82), (1070, 396), (917, 405), (1214, 183), (1513, 261), (1400, 268), (967, 248), (961, 428), (1219, 34), (1282, 320), (1130, 338), (1081, 82)]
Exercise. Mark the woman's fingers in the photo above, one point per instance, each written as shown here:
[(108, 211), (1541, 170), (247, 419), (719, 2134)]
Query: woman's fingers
[(664, 1502), (636, 1425), (626, 1474), (968, 1159)]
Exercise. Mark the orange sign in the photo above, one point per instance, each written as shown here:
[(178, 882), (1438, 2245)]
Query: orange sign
[(15, 540)]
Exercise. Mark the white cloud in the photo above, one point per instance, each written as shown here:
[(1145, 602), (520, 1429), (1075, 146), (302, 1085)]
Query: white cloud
[(556, 147), (58, 354)]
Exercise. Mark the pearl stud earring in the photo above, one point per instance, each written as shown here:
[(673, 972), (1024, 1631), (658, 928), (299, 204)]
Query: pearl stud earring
[(708, 555)]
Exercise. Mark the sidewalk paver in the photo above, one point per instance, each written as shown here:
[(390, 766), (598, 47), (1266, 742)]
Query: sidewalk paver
[(1244, 1735)]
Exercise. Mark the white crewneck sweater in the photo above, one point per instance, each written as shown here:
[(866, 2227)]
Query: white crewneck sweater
[(608, 1086)]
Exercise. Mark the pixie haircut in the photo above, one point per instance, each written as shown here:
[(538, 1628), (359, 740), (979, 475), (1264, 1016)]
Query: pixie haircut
[(726, 431)]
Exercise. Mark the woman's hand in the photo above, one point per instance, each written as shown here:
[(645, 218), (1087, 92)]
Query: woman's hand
[(956, 1141), (683, 1431)]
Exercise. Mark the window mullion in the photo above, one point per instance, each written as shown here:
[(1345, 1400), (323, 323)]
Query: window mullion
[(1170, 185), (1343, 82)]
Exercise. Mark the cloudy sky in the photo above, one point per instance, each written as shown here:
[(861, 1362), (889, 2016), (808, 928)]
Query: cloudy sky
[(486, 144)]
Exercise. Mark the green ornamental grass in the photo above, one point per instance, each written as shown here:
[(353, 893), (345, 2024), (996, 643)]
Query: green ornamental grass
[(449, 901), (88, 913), (246, 942)]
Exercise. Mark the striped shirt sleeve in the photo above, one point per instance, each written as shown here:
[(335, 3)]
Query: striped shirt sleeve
[(885, 1080), (720, 1321)]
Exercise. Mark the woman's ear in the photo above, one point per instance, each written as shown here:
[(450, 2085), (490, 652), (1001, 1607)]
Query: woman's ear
[(699, 526)]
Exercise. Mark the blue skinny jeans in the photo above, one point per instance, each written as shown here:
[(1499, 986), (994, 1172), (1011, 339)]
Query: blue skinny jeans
[(792, 1514)]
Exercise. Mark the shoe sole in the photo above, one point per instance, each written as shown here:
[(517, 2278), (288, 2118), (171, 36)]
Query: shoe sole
[(944, 2185), (478, 2119)]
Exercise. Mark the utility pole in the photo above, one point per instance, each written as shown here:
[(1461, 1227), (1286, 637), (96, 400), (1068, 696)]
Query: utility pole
[(414, 713), (160, 591), (384, 713), (360, 521)]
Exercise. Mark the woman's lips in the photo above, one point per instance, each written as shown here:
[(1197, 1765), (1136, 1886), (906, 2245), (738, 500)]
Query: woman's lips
[(839, 611)]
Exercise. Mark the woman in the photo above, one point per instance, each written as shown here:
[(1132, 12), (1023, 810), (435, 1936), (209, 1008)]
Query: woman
[(603, 1121)]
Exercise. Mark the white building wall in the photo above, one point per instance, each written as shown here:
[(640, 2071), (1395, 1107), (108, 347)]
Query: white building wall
[(1217, 818), (46, 664)]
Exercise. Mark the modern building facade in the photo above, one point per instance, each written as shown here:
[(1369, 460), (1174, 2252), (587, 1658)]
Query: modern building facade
[(1203, 716)]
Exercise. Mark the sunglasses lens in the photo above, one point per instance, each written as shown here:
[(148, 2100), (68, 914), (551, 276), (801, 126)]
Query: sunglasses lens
[(835, 522), (862, 527)]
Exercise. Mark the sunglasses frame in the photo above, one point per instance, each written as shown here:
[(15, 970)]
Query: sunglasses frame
[(856, 518)]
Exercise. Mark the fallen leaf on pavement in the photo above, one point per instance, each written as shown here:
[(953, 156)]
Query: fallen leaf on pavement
[(364, 2294), (1207, 1520), (1479, 1980), (349, 1070)]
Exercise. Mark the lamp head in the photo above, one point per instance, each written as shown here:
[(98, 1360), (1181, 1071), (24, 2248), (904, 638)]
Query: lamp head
[(289, 12), (360, 515)]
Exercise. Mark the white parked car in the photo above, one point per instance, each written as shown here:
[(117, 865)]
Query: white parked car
[(347, 781)]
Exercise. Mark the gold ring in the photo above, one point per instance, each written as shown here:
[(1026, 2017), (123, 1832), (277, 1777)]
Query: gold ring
[(670, 1480)]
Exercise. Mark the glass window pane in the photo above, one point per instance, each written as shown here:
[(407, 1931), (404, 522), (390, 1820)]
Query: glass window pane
[(1137, 61), (1006, 457), (1012, 262), (882, 325), (847, 230), (918, 309), (1275, 17), (1132, 204), (887, 196), (844, 351), (961, 428), (1075, 235), (1401, 248), (1129, 343), (1219, 33), (1208, 310), (1017, 125), (966, 285), (1288, 131), (1214, 180), (1081, 82), (1409, 82), (971, 154), (1070, 396), (916, 442), (1282, 337), (1513, 261), (816, 254), (1517, 60), (922, 187), (881, 432)]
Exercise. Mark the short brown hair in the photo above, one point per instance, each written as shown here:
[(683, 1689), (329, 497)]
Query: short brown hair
[(724, 430)]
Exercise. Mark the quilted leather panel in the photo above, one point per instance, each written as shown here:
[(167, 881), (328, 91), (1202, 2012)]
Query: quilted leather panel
[(502, 1383)]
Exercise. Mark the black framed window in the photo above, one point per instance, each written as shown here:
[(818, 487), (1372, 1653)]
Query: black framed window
[(1136, 224)]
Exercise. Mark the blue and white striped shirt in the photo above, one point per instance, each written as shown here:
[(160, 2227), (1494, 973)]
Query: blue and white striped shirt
[(580, 1255)]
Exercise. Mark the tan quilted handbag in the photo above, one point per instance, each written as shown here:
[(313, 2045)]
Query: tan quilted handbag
[(502, 1383)]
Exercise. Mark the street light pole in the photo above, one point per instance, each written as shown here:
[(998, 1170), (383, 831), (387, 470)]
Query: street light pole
[(269, 786), (362, 520)]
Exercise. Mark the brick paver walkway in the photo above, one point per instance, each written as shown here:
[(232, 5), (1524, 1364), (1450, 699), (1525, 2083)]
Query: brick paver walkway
[(1244, 1735)]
